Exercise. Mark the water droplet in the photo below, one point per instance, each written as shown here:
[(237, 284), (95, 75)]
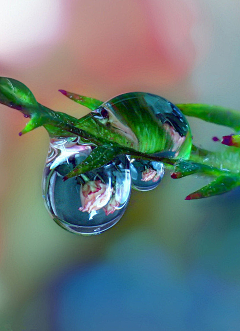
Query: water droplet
[(146, 175), (90, 203), (134, 115)]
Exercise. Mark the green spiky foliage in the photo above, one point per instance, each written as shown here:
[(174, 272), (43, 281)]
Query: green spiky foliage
[(108, 143)]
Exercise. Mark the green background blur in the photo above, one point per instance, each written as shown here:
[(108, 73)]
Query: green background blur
[(169, 264)]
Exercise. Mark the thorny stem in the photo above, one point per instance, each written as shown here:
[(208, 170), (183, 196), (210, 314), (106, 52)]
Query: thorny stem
[(222, 166)]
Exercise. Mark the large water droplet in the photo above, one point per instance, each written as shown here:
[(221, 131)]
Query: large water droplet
[(90, 203), (132, 115)]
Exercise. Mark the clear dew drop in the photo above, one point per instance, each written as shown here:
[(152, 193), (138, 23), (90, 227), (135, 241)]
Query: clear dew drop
[(129, 113), (146, 175), (90, 203)]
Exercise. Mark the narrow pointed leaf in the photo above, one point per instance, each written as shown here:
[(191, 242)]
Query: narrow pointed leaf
[(34, 123), (213, 114), (220, 185), (90, 103), (16, 95), (186, 168)]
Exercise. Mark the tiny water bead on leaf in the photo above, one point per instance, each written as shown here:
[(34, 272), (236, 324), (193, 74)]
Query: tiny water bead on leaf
[(89, 203)]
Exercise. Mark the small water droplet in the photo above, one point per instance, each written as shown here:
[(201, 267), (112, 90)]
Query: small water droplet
[(90, 203), (146, 175)]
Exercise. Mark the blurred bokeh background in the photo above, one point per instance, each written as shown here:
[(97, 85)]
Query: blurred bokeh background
[(169, 264)]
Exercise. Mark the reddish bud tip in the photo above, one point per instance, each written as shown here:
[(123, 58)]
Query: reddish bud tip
[(65, 178), (193, 196), (20, 134), (215, 139), (175, 175), (227, 140), (63, 92)]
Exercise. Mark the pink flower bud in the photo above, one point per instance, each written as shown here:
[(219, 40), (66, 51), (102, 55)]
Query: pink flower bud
[(111, 206), (150, 174), (94, 195)]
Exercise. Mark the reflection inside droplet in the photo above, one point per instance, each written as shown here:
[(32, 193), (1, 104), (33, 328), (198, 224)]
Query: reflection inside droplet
[(146, 175), (92, 202), (154, 125)]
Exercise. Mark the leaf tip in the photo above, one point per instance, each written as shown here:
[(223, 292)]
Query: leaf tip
[(227, 140), (194, 196), (176, 175), (63, 92)]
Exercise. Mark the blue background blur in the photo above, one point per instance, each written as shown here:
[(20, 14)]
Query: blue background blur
[(169, 264)]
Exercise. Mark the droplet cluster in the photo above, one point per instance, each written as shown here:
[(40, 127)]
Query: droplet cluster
[(93, 202)]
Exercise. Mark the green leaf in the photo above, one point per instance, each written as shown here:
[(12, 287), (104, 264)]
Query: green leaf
[(16, 95), (213, 114), (90, 103), (186, 168), (100, 156), (220, 185)]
